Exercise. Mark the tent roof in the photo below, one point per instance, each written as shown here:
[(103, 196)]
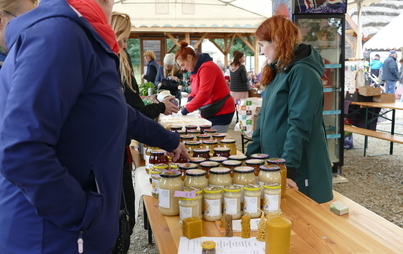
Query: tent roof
[(195, 15), (389, 37)]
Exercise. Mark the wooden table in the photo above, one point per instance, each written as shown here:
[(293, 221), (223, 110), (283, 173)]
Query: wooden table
[(315, 229), (391, 107)]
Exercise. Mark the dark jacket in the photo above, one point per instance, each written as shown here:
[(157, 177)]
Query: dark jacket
[(152, 70), (168, 84), (63, 124), (390, 69), (239, 81), (290, 124)]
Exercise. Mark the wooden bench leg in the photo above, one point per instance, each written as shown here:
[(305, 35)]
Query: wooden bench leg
[(147, 226)]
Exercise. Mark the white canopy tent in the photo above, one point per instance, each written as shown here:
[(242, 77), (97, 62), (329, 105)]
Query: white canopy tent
[(388, 38)]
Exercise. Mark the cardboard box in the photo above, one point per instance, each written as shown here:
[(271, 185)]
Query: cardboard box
[(369, 90), (357, 97), (385, 97)]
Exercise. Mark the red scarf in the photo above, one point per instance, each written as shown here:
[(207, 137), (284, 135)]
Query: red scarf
[(94, 14)]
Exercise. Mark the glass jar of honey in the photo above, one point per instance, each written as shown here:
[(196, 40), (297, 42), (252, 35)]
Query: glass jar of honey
[(190, 127), (271, 198), (183, 167), (260, 156), (199, 197), (220, 177), (201, 152), (175, 128), (219, 137), (196, 178), (203, 127), (191, 145), (169, 183), (197, 160), (280, 162), (230, 143), (255, 163), (238, 157), (194, 132), (210, 144), (207, 165), (201, 137), (157, 156), (231, 164), (218, 159), (212, 203), (232, 201), (251, 205), (210, 131), (222, 152), (186, 137)]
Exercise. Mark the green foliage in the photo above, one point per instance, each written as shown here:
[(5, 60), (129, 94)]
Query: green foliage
[(143, 88)]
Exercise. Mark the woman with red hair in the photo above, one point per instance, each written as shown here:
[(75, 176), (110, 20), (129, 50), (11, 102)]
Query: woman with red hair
[(290, 123)]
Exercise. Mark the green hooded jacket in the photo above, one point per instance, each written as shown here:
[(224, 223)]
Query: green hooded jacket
[(290, 124)]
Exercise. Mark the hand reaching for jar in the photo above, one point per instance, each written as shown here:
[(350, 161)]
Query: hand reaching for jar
[(169, 106)]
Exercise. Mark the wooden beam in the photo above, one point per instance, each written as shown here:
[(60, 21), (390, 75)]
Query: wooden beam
[(220, 49), (187, 38), (229, 45), (349, 42), (200, 40), (247, 43), (256, 68), (351, 23), (173, 39)]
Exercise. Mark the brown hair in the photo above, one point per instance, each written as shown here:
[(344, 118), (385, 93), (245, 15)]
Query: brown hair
[(150, 54), (286, 35), (237, 55), (184, 51)]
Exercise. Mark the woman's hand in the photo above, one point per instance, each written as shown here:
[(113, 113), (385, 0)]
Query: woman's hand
[(169, 106), (181, 149), (291, 184)]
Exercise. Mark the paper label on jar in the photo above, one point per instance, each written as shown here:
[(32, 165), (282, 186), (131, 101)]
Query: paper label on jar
[(185, 212), (271, 203), (240, 185), (231, 206), (212, 207), (250, 204), (164, 198), (154, 185)]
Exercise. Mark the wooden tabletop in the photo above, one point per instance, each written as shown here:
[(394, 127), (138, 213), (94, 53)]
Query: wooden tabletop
[(391, 105), (315, 229)]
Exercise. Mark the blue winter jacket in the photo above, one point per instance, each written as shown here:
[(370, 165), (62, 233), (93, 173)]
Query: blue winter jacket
[(63, 124), (390, 69)]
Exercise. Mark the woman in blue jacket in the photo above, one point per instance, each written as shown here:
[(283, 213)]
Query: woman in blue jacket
[(63, 124), (152, 67)]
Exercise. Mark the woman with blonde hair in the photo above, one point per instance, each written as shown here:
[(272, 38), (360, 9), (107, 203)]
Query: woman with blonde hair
[(152, 67), (170, 77), (290, 121)]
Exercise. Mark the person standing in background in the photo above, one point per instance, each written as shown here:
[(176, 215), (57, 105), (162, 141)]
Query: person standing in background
[(152, 67), (290, 122), (375, 66), (390, 73), (170, 77), (239, 78), (63, 131), (209, 88)]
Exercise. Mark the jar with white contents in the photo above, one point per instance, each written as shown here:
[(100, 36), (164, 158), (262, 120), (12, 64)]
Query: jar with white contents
[(271, 198), (212, 197), (169, 183), (196, 178), (220, 177), (188, 207), (232, 201), (199, 197), (251, 203)]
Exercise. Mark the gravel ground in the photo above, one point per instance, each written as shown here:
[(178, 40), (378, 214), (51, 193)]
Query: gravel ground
[(375, 181)]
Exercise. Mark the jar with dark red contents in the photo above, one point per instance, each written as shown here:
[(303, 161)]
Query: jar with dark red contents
[(221, 152), (210, 131), (230, 143), (191, 145), (201, 137), (207, 165), (280, 162), (210, 144), (203, 127), (183, 167), (182, 159), (201, 152), (231, 164), (219, 137), (197, 160), (190, 127), (260, 156), (175, 128), (255, 163), (194, 132), (186, 137), (238, 157), (218, 159), (181, 132), (157, 156)]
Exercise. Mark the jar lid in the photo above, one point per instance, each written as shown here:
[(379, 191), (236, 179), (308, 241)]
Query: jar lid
[(270, 168), (205, 126), (220, 171), (196, 172), (238, 157), (193, 131), (188, 165), (244, 169), (170, 174), (232, 163), (181, 132), (209, 141), (205, 136), (232, 188), (188, 199), (219, 135), (192, 143), (212, 189), (176, 127), (191, 126), (272, 185), (210, 164), (259, 156), (155, 172), (197, 189), (252, 187), (218, 158), (157, 151), (208, 245), (254, 162), (201, 150), (222, 149), (160, 166), (276, 160), (228, 140), (173, 165), (197, 159), (210, 131), (187, 137)]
